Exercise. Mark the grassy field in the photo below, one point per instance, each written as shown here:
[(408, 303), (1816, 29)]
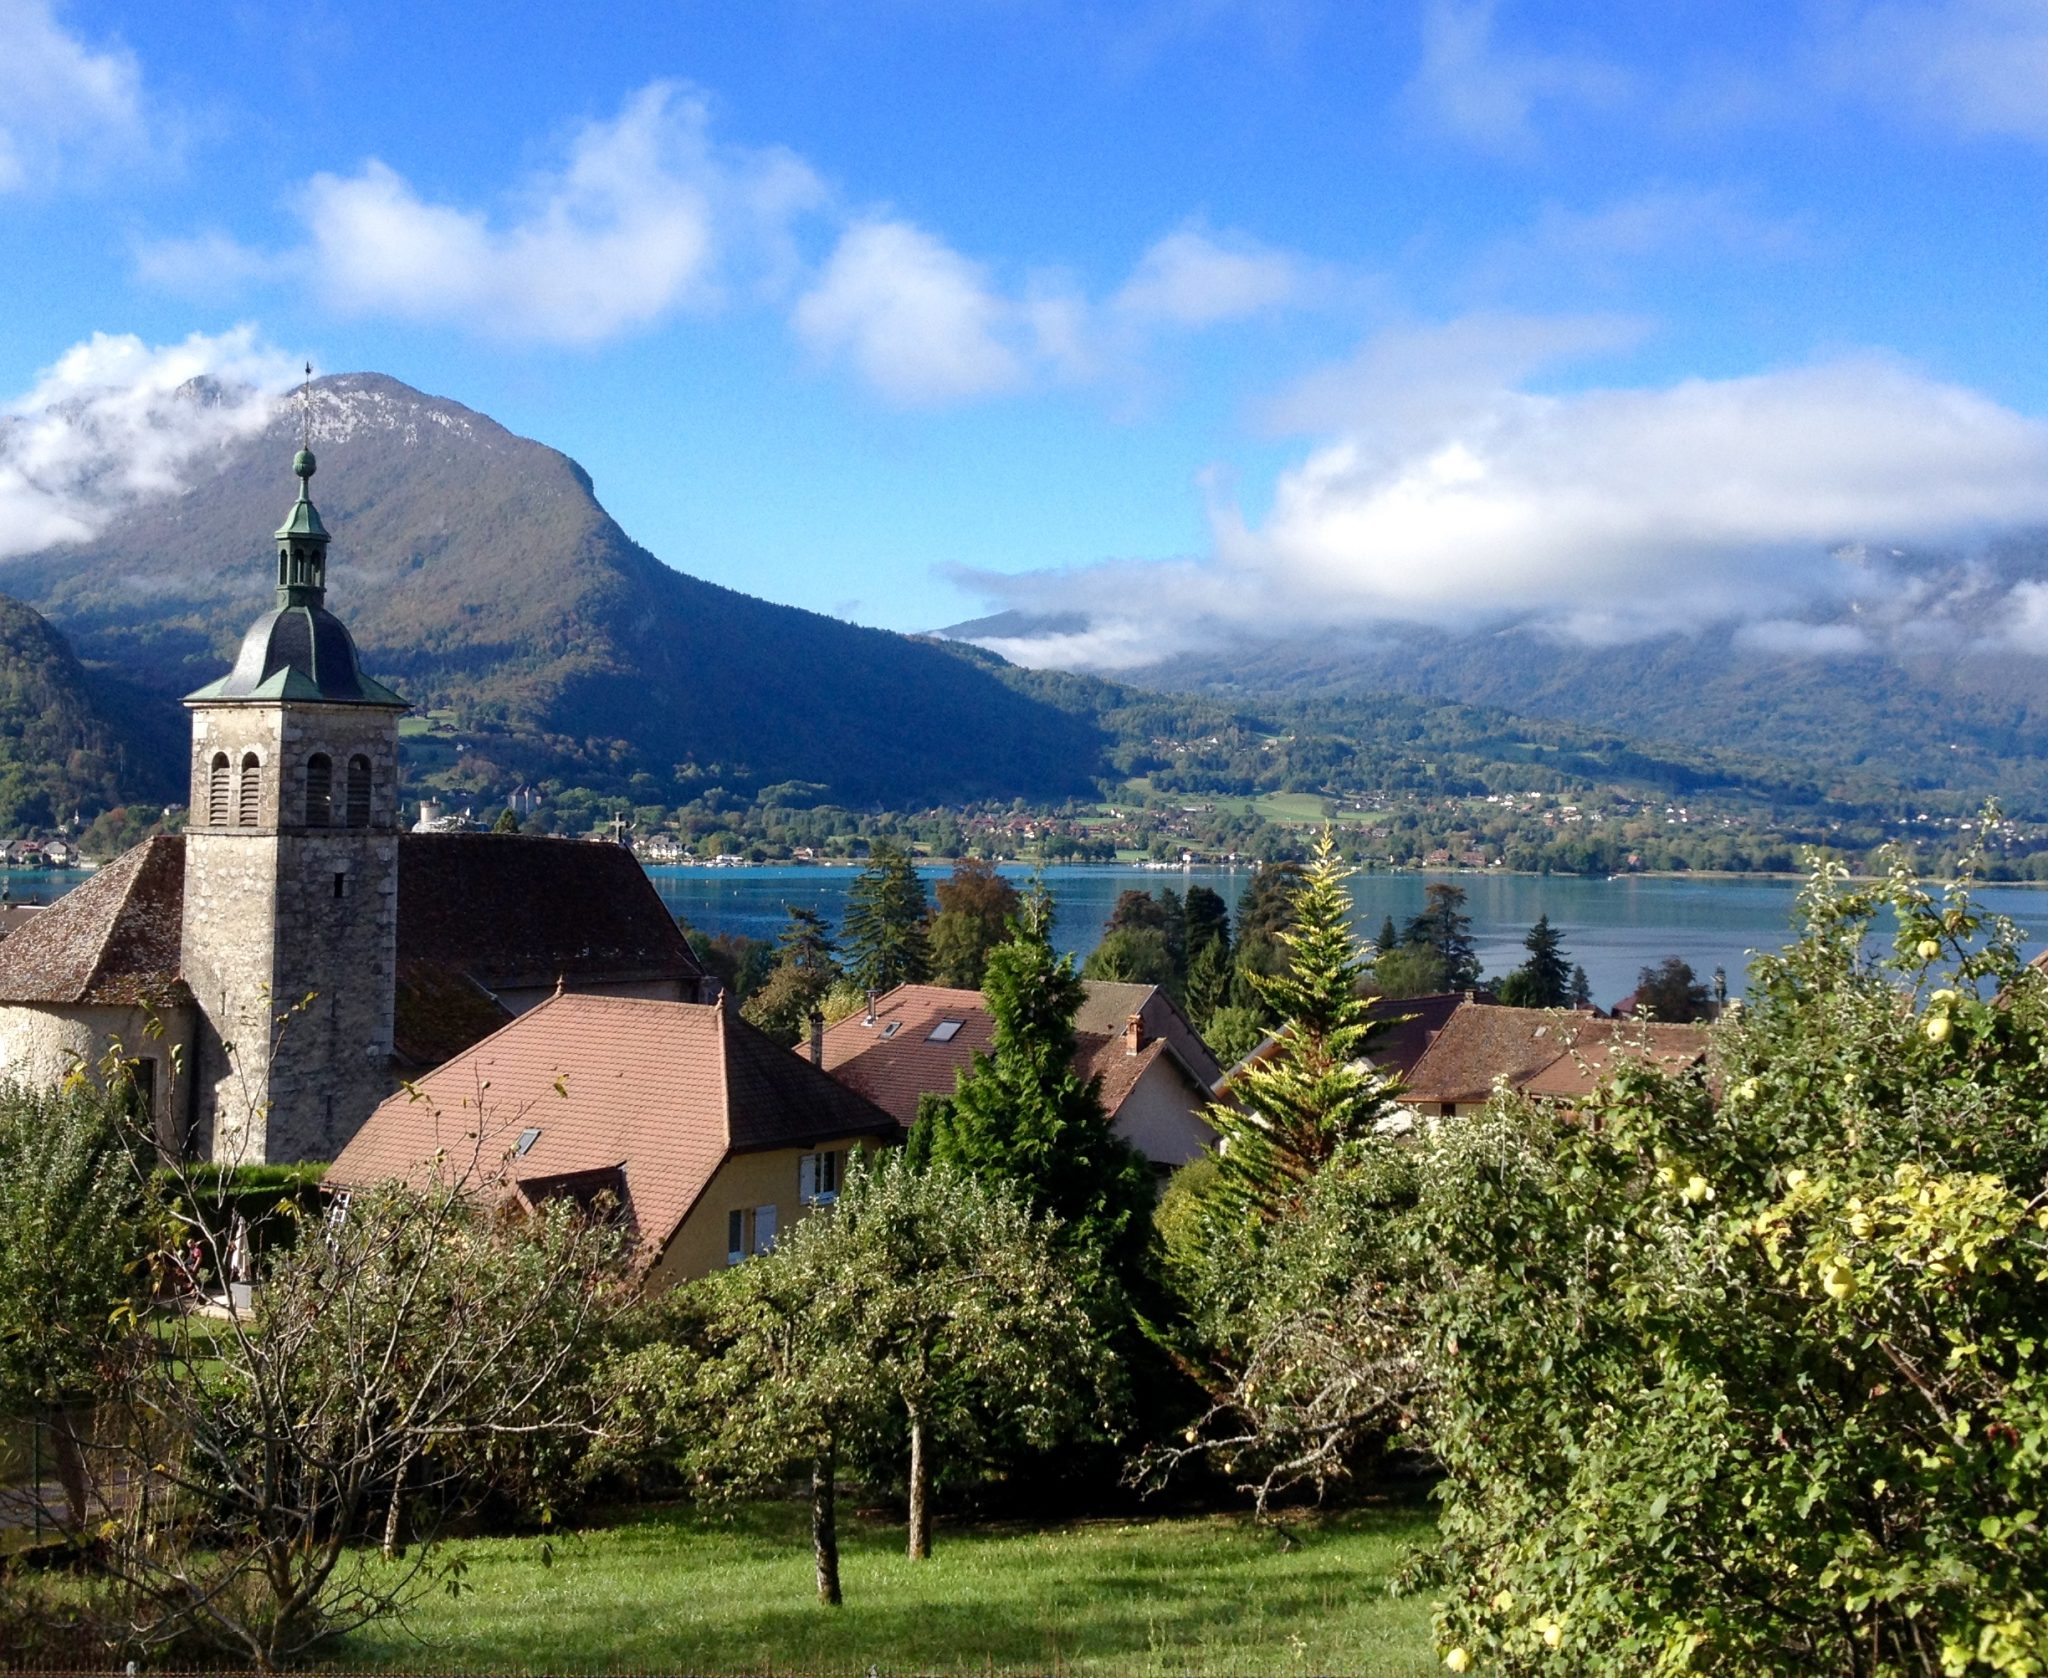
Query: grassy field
[(683, 1590)]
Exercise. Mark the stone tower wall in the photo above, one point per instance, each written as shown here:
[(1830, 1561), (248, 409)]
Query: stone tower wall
[(290, 933)]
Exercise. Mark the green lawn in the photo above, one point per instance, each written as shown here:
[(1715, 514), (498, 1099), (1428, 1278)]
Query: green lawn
[(686, 1590)]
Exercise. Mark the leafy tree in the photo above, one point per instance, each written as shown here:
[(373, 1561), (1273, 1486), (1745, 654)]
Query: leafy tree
[(399, 1361), (507, 822), (926, 1310), (72, 1243), (1794, 1417), (739, 963), (1445, 928), (885, 930), (1293, 1110), (1670, 992), (1022, 1116), (803, 976), (1232, 1033), (1132, 955), (1544, 980), (976, 907), (1410, 970)]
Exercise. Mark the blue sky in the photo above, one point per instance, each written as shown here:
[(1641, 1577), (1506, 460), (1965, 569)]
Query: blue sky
[(1173, 317)]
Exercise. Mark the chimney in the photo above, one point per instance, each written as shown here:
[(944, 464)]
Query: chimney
[(817, 1038), (1134, 1034), (870, 1020)]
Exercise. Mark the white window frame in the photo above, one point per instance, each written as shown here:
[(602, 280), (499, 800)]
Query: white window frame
[(818, 1177)]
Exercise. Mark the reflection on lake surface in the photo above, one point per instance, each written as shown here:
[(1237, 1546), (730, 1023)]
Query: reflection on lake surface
[(1614, 928)]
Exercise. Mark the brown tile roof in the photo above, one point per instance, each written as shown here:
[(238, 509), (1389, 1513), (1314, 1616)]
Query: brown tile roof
[(894, 1061), (1107, 1058), (112, 940), (1554, 1054), (516, 910), (659, 1092), (1415, 1021), (1108, 1004)]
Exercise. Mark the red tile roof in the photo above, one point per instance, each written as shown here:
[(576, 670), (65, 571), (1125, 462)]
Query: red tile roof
[(894, 1060), (1552, 1054), (113, 940), (660, 1092)]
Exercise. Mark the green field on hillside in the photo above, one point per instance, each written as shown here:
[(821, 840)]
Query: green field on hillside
[(696, 1591)]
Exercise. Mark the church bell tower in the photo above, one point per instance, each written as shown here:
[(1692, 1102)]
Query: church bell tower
[(291, 874)]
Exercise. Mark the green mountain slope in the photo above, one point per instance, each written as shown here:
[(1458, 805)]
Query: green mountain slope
[(482, 578), (59, 754)]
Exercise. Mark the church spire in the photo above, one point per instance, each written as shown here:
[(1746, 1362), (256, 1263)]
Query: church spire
[(302, 538)]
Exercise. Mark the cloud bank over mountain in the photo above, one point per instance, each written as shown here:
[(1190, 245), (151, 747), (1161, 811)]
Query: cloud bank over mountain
[(114, 422), (1446, 491)]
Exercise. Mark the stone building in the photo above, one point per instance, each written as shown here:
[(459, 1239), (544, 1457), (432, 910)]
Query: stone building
[(272, 972)]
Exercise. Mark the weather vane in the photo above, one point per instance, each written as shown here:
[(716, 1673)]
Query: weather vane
[(306, 409)]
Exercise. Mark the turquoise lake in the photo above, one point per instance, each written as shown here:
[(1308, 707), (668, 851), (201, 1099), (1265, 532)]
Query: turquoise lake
[(1614, 928)]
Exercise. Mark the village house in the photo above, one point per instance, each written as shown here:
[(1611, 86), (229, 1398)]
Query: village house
[(1157, 1074), (274, 970), (704, 1135), (1549, 1056)]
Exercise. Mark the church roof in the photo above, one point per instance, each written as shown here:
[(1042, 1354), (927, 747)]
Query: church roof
[(514, 910), (112, 941), (660, 1093), (487, 910)]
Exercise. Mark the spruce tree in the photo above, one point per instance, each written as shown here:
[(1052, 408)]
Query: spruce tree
[(1023, 1116), (1545, 979), (1315, 1092), (886, 917), (1443, 926)]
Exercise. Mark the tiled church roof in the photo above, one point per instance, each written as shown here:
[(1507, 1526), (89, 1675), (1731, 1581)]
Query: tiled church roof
[(511, 910), (113, 941), (474, 910)]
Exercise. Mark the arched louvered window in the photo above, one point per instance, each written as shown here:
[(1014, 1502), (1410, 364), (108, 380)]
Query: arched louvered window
[(319, 790), (217, 791), (251, 787), (359, 791)]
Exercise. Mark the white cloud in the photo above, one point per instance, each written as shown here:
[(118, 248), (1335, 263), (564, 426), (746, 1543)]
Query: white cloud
[(925, 324), (1602, 515), (920, 321), (1194, 278), (115, 421), (647, 216), (1472, 87), (1978, 66), (64, 106)]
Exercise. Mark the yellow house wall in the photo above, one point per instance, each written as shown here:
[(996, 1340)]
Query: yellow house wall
[(768, 1178)]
